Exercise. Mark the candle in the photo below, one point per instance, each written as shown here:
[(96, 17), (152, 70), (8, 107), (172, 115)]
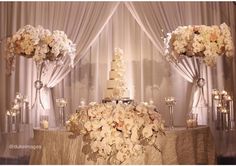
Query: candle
[(194, 121), (214, 108), (151, 102), (225, 120), (219, 119), (13, 122), (216, 97), (44, 124), (61, 102), (82, 103), (215, 91), (231, 110), (16, 107), (7, 123), (170, 100), (223, 93), (189, 123), (25, 113)]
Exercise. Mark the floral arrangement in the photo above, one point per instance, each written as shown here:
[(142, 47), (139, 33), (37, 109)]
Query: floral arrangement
[(116, 132), (40, 44), (207, 42)]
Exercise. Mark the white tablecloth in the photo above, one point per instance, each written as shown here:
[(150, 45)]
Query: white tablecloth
[(179, 146)]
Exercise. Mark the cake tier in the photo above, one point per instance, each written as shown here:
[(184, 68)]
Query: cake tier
[(117, 93), (115, 83), (116, 74), (118, 57), (115, 65)]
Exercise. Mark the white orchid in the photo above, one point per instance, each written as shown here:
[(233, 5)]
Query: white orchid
[(116, 131)]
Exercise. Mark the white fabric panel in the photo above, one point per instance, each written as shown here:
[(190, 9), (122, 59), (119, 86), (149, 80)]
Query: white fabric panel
[(81, 21), (154, 16), (170, 15), (148, 74)]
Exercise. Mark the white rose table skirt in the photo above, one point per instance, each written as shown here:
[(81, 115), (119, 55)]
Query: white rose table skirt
[(179, 146)]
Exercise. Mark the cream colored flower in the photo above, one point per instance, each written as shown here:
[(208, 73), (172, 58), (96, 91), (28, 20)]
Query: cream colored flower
[(134, 135), (147, 131), (88, 126), (194, 40), (120, 131)]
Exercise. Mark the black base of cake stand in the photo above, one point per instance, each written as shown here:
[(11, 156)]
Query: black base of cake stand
[(124, 100)]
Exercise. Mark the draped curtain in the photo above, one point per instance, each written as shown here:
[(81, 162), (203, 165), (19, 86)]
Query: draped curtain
[(148, 75), (83, 22), (83, 29), (154, 17)]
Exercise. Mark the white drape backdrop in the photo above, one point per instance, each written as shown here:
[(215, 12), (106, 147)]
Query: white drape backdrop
[(145, 76), (149, 75), (153, 17), (89, 21)]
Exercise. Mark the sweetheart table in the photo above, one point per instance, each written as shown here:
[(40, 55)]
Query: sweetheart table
[(178, 146)]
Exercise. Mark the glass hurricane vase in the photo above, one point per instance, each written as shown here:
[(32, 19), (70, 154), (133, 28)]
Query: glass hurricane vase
[(170, 102), (37, 108)]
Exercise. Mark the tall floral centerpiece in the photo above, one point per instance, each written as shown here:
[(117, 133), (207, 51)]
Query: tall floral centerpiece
[(44, 47), (206, 42)]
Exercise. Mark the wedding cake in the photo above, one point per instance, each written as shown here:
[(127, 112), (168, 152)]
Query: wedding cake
[(116, 85)]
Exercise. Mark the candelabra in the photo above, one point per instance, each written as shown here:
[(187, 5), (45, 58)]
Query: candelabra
[(17, 114), (222, 110), (170, 102)]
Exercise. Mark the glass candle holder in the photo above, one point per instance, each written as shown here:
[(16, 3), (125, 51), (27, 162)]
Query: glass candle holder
[(12, 121), (170, 102), (61, 104), (192, 120), (44, 124)]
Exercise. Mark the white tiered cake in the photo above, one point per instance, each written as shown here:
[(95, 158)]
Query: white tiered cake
[(116, 85)]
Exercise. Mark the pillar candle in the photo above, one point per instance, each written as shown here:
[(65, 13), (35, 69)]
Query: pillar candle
[(25, 113), (231, 110), (231, 114), (44, 124), (225, 120), (7, 124), (13, 124), (215, 103), (189, 123), (219, 118)]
